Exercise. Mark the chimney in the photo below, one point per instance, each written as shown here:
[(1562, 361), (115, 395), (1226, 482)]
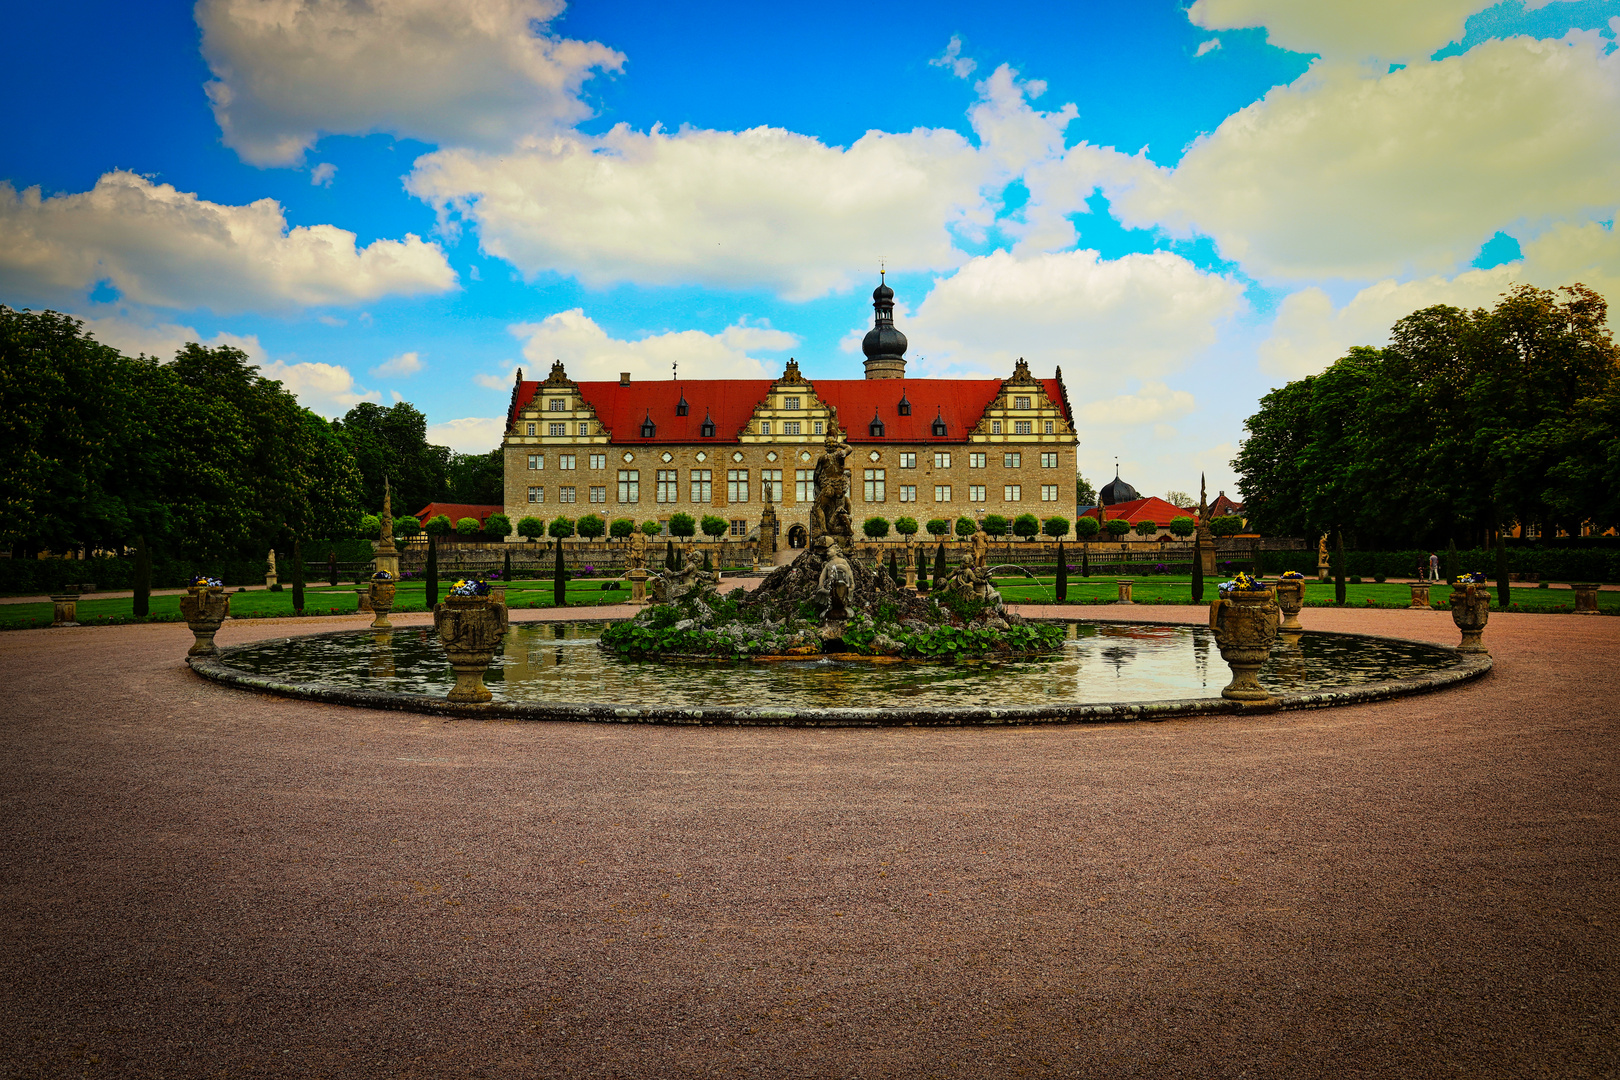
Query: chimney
[(624, 378)]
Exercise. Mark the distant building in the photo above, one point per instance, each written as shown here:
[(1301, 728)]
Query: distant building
[(456, 511), (924, 448)]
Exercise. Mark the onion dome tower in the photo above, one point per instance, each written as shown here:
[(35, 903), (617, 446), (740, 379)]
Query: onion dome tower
[(884, 346), (1117, 491)]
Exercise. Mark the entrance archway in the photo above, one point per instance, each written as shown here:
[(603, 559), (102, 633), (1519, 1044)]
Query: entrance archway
[(798, 536)]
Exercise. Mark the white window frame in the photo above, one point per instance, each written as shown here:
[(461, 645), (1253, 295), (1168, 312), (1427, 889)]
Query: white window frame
[(908, 493), (1021, 402), (629, 485), (770, 484), (700, 482), (1012, 459), (1012, 493), (537, 495), (598, 493), (942, 459), (1049, 459), (908, 460), (1049, 493), (804, 485), (567, 494), (873, 484), (669, 486), (557, 431), (556, 404), (976, 493), (598, 461), (1023, 427), (942, 493), (565, 461), (736, 486)]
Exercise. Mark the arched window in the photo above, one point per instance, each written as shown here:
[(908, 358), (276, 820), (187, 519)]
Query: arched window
[(648, 428)]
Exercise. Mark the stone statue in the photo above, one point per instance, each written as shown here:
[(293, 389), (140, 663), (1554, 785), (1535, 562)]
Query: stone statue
[(837, 579), (638, 550), (830, 515), (981, 548), (385, 530), (270, 563)]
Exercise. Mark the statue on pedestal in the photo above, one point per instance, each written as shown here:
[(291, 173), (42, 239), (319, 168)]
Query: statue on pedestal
[(270, 576), (830, 516), (638, 550)]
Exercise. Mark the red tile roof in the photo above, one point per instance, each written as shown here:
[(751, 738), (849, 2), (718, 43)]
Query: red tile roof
[(1152, 509), (731, 402), (456, 511)]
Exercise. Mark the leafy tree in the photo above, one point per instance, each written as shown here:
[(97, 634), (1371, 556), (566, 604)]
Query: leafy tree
[(652, 527), (1026, 525), (1182, 526), (1086, 528), (1055, 526), (1180, 499), (370, 526), (1145, 528), (438, 525), (875, 528), (1084, 493), (468, 526), (966, 526), (561, 529), (995, 525), (392, 441), (905, 526), (1226, 525), (682, 525), (531, 528), (476, 479), (714, 527), (498, 526), (407, 525), (592, 526), (1117, 527), (622, 528), (937, 526)]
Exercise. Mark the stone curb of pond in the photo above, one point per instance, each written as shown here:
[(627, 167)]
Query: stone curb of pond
[(1468, 667)]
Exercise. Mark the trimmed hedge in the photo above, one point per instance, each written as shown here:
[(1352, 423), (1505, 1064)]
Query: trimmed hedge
[(1548, 563), (112, 574)]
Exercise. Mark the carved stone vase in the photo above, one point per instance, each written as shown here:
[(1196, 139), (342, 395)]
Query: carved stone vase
[(1470, 610), (1420, 596), (382, 602), (471, 629), (205, 608), (1245, 625), (1290, 598)]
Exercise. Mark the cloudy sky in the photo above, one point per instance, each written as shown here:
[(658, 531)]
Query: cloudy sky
[(1180, 205)]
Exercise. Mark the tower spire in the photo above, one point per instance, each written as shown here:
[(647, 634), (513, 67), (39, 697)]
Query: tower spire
[(884, 346)]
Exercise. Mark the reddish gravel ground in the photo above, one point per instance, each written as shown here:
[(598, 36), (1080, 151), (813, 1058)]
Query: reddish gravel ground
[(203, 882)]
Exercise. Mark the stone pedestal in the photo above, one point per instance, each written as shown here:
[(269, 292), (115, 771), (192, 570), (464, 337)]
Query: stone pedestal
[(911, 577), (1471, 610), (385, 557), (1245, 626), (270, 580), (1290, 598), (1420, 596), (205, 608), (1206, 551), (638, 586), (1125, 590), (362, 599), (1586, 599), (382, 602), (67, 609), (471, 629)]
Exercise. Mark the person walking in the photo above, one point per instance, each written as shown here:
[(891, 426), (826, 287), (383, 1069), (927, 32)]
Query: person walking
[(1434, 567)]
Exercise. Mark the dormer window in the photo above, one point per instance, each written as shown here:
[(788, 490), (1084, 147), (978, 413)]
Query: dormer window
[(905, 405), (875, 428), (939, 425), (707, 430), (681, 408), (648, 428)]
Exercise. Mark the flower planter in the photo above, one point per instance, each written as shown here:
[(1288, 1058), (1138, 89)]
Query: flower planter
[(1470, 610), (1290, 598), (205, 608), (382, 602), (1245, 626), (471, 629), (1420, 596)]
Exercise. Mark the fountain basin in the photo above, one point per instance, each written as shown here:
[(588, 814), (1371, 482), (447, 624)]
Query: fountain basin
[(1106, 672)]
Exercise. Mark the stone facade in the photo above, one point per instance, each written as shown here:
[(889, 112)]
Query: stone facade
[(1017, 455)]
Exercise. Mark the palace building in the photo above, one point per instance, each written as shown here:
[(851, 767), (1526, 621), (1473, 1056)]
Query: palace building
[(924, 448)]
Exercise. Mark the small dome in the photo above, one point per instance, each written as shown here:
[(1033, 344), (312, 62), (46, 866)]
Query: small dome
[(882, 292), (883, 340), (1117, 491)]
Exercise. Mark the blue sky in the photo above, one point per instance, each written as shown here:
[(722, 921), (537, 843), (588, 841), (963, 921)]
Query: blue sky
[(1180, 205)]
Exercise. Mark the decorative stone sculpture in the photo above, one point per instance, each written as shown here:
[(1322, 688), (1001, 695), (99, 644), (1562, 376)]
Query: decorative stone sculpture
[(270, 577), (205, 606), (1125, 590), (837, 579), (981, 547), (637, 551), (830, 516), (385, 551), (382, 599), (1290, 598), (471, 629), (1586, 599), (1245, 625), (1420, 596), (1471, 610)]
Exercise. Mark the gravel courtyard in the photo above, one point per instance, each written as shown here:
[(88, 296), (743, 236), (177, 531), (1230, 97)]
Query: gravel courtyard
[(204, 882)]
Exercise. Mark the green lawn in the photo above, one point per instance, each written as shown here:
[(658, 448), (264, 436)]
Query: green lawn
[(318, 600), (1174, 590)]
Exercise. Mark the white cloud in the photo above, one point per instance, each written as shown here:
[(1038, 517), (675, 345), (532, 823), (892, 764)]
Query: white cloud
[(1104, 321), (763, 208), (452, 72), (587, 352), (1207, 46), (166, 247), (1151, 403), (133, 336), (953, 60), (321, 175), (1363, 30), (401, 366), (327, 389), (1340, 175), (1566, 254), (469, 435)]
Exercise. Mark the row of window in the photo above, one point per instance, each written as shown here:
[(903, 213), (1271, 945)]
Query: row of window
[(559, 429), (700, 488), (1011, 459)]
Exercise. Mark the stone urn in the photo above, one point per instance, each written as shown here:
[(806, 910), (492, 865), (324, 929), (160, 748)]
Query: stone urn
[(205, 608), (381, 595), (1471, 610), (1245, 625), (1290, 598), (471, 629), (1420, 596)]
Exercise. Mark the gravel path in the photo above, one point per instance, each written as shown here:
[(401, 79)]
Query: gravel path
[(204, 882)]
